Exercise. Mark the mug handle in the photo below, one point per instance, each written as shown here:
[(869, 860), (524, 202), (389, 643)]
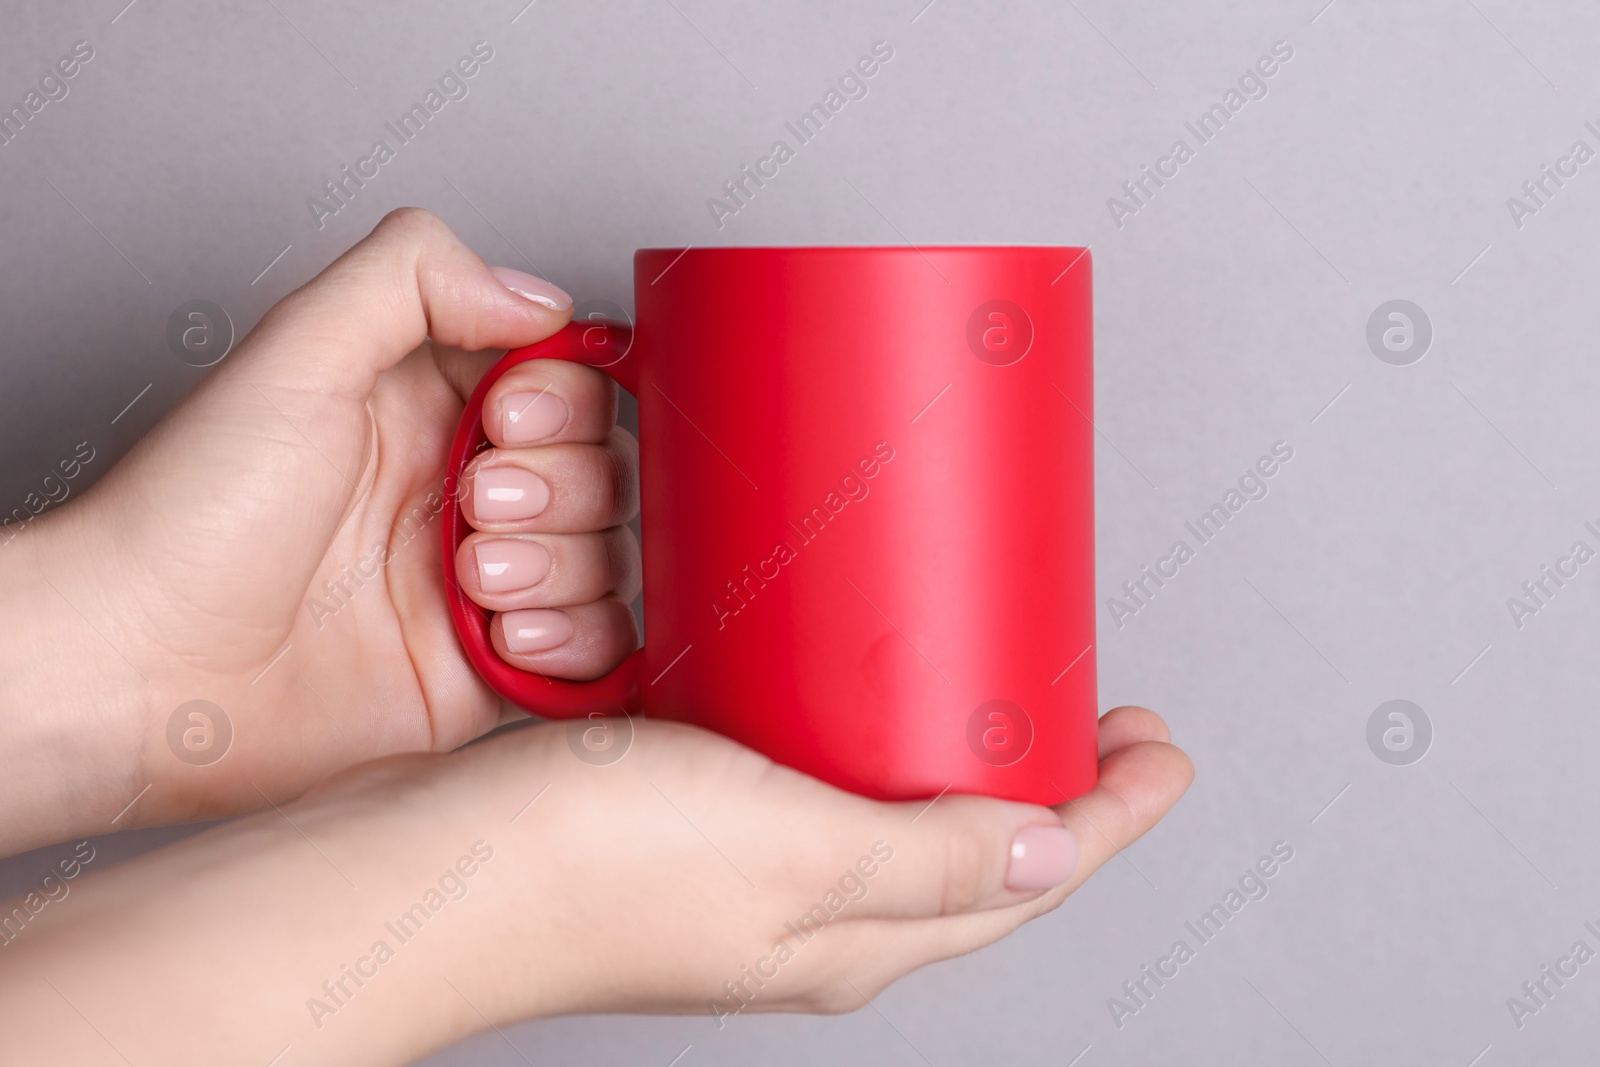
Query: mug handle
[(551, 698)]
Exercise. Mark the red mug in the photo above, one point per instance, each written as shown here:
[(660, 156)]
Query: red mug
[(867, 484)]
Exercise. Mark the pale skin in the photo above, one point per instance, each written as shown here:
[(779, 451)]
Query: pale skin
[(193, 570)]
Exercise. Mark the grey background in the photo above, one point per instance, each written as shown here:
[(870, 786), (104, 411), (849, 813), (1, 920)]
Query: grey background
[(1230, 312)]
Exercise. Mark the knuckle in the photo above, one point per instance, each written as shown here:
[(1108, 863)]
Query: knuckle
[(615, 497), (1044, 905), (836, 999), (407, 221), (626, 634), (606, 484), (622, 455), (622, 438), (846, 984), (532, 374), (621, 551)]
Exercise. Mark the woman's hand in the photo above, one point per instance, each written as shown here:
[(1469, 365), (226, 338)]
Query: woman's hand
[(410, 902), (271, 547)]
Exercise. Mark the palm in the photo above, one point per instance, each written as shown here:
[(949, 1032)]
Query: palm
[(289, 573)]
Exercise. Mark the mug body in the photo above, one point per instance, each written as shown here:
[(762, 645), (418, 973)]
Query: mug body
[(867, 480)]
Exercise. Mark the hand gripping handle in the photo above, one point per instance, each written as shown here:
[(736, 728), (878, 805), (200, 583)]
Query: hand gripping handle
[(607, 347)]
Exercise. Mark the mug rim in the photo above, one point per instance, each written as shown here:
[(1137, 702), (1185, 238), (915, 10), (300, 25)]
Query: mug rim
[(913, 249)]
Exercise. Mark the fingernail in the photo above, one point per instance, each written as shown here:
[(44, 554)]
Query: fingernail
[(507, 564), (1042, 857), (531, 288), (528, 417), (536, 629), (500, 493)]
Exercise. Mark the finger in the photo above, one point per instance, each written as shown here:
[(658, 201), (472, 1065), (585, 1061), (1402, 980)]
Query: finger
[(291, 404), (954, 855), (580, 643), (1138, 785), (505, 573), (548, 400), (1127, 725), (566, 488), (411, 278), (996, 855)]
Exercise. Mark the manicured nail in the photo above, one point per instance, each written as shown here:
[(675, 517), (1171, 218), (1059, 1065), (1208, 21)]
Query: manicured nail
[(529, 287), (503, 493), (508, 564), (1042, 857), (529, 417), (536, 629)]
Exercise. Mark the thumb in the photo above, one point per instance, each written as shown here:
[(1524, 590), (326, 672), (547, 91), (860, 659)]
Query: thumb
[(410, 279), (262, 463), (962, 854)]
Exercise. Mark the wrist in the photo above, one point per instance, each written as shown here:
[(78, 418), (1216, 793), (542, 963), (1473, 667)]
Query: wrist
[(71, 709), (302, 898), (455, 899)]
